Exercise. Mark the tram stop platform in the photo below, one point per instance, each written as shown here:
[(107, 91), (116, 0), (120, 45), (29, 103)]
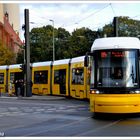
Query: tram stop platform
[(33, 97)]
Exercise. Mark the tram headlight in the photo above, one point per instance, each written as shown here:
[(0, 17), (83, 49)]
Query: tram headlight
[(97, 92), (94, 92), (135, 92)]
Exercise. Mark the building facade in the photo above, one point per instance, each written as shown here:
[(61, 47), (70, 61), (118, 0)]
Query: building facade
[(9, 27)]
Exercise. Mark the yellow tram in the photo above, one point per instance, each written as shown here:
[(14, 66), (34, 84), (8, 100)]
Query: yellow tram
[(115, 75)]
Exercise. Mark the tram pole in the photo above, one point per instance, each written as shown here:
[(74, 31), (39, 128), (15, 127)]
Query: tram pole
[(27, 55), (115, 22)]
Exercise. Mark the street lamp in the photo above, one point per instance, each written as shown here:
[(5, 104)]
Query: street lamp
[(53, 40)]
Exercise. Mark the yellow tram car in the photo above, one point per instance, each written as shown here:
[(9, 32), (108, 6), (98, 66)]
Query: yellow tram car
[(41, 75), (3, 79), (115, 75), (79, 78), (60, 77)]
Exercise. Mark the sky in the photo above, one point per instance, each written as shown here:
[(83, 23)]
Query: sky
[(72, 15)]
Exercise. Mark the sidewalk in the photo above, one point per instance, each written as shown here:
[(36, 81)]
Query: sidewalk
[(33, 97)]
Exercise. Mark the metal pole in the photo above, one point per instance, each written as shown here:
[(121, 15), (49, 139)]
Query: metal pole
[(24, 73), (53, 40), (27, 55), (53, 44), (115, 26)]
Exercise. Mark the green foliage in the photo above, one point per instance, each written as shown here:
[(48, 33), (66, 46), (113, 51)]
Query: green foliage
[(126, 27), (20, 57), (7, 56), (81, 41)]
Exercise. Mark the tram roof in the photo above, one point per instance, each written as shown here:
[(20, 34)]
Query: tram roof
[(61, 62), (3, 67), (77, 59), (14, 66), (116, 43), (46, 63)]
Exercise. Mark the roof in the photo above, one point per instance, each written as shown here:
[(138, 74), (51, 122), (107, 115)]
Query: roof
[(116, 43), (14, 66), (61, 62), (77, 59), (46, 63), (3, 67)]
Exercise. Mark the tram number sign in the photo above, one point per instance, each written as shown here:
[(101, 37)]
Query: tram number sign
[(112, 54), (118, 54)]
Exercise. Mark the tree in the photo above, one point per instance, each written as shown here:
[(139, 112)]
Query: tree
[(81, 41), (41, 43), (20, 57), (126, 27), (7, 56), (62, 42)]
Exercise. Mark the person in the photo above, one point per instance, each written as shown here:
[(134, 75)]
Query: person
[(21, 86), (16, 87), (10, 89)]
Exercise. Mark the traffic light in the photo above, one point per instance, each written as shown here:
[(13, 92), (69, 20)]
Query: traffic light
[(23, 67)]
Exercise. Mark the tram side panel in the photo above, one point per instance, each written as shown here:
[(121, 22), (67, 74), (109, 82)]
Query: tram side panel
[(79, 80), (41, 74), (3, 78), (60, 77)]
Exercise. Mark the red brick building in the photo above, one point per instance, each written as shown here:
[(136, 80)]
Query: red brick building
[(8, 37)]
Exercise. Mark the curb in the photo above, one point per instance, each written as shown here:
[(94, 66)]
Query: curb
[(43, 98)]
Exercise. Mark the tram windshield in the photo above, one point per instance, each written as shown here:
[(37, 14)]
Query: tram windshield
[(116, 69)]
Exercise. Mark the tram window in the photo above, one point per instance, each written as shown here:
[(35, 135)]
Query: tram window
[(56, 77), (117, 73), (78, 76), (117, 69), (1, 78), (41, 77), (12, 77)]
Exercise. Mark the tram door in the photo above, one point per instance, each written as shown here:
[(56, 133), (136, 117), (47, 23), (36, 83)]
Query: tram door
[(62, 81)]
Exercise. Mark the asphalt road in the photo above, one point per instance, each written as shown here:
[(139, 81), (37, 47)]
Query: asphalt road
[(61, 118)]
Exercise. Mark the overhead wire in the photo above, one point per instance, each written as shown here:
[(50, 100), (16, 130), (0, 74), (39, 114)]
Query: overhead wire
[(113, 11), (92, 14)]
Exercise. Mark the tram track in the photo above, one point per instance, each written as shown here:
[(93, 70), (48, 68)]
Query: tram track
[(57, 128), (87, 133)]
